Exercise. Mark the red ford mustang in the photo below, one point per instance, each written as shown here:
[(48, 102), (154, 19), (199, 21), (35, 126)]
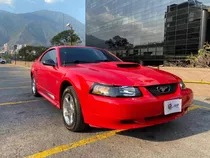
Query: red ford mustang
[(94, 87)]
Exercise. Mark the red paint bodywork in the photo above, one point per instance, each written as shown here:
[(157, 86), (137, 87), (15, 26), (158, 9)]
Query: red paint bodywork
[(106, 112)]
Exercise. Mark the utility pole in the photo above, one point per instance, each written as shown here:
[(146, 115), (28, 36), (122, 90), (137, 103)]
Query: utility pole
[(63, 21), (15, 47), (69, 25)]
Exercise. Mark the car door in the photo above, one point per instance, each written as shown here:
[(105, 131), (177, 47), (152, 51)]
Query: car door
[(42, 72), (54, 76), (51, 75)]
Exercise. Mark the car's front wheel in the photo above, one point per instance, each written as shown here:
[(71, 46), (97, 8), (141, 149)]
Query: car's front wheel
[(3, 62), (72, 113)]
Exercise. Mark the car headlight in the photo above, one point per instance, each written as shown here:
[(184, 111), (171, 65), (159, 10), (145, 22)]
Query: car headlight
[(182, 85), (115, 91)]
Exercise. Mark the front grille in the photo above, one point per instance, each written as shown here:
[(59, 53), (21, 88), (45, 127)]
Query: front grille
[(157, 91)]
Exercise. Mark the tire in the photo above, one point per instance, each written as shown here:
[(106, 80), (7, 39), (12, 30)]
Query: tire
[(3, 62), (33, 87), (71, 110)]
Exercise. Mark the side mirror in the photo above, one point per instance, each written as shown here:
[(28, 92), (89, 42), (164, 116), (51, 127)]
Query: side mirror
[(49, 62)]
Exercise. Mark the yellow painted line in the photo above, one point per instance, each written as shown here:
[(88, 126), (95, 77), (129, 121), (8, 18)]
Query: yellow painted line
[(66, 147), (18, 102), (83, 142), (197, 82), (193, 107), (21, 87), (203, 107)]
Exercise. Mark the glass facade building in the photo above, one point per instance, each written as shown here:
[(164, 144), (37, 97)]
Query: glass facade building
[(148, 31)]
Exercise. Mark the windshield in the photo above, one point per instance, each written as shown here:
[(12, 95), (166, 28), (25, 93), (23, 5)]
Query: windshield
[(85, 55)]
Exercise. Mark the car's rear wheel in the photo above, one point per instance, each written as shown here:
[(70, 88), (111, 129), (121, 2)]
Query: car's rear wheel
[(72, 113), (33, 87)]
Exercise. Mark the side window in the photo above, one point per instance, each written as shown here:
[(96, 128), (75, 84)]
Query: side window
[(50, 55)]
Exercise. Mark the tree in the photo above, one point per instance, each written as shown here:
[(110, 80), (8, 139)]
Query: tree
[(30, 53), (7, 56), (202, 59), (24, 52), (39, 51), (65, 38), (118, 42)]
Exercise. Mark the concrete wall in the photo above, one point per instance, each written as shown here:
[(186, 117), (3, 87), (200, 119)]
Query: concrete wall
[(194, 74)]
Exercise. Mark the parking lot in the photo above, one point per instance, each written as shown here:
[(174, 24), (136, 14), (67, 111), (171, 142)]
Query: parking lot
[(32, 127)]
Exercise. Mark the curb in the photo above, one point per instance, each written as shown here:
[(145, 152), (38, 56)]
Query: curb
[(197, 82)]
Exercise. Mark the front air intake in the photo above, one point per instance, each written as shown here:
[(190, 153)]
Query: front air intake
[(128, 65)]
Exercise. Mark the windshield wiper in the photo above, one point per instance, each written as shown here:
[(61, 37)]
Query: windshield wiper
[(104, 60), (75, 62)]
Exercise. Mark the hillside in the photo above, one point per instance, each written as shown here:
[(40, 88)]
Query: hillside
[(35, 28)]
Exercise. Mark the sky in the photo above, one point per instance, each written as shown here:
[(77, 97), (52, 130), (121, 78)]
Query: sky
[(74, 8)]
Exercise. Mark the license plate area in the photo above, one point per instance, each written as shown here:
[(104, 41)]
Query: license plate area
[(172, 106)]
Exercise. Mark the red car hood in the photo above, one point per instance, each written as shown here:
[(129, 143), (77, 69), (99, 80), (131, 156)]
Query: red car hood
[(125, 74)]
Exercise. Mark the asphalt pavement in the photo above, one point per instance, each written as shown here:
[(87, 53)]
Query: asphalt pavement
[(32, 127)]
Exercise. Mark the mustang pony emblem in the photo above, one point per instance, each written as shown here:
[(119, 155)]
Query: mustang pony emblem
[(163, 89)]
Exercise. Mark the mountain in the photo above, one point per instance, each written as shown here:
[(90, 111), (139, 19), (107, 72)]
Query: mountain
[(35, 28)]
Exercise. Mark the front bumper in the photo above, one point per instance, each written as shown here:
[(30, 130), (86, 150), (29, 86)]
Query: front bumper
[(128, 113)]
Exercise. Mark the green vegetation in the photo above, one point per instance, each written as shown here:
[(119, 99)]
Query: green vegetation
[(67, 37), (199, 60), (202, 59), (30, 53), (7, 57), (118, 42)]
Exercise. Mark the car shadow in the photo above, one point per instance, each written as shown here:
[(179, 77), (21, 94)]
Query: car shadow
[(95, 130), (193, 123)]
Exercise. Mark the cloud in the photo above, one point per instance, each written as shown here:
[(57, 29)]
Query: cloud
[(8, 2), (53, 1), (105, 26)]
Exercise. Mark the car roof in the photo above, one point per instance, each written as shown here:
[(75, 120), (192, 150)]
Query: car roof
[(74, 47)]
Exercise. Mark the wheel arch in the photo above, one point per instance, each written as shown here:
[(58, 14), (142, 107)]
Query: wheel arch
[(65, 83), (77, 83)]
